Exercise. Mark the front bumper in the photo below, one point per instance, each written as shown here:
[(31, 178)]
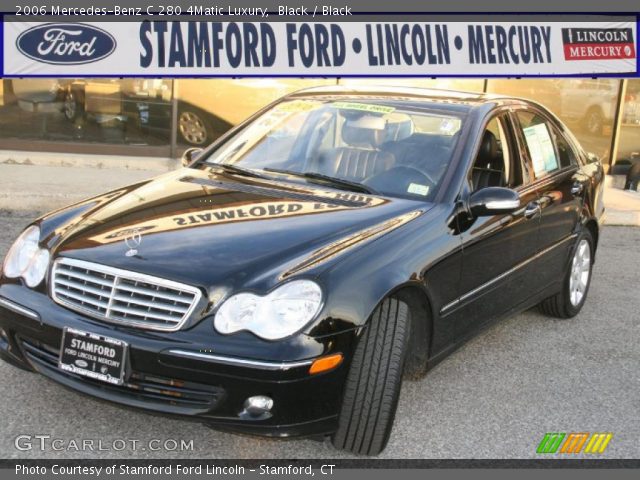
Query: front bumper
[(177, 375)]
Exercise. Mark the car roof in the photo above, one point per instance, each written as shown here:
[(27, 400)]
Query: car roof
[(414, 94)]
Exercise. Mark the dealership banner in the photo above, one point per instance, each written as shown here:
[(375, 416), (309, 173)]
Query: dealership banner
[(315, 48)]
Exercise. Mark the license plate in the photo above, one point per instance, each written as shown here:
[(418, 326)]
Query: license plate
[(93, 356)]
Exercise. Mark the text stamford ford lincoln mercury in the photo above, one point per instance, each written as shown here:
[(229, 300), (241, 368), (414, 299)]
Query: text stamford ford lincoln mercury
[(286, 280)]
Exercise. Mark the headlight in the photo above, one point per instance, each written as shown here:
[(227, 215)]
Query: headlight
[(26, 259), (279, 314), (37, 269)]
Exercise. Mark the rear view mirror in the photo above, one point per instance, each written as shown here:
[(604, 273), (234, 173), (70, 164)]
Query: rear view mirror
[(189, 155), (493, 201)]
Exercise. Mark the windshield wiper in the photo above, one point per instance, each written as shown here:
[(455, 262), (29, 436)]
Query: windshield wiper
[(320, 178), (247, 172)]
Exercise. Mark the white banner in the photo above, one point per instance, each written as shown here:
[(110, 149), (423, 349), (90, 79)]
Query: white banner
[(332, 49)]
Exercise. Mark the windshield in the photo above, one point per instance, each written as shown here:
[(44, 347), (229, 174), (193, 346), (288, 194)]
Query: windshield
[(385, 148)]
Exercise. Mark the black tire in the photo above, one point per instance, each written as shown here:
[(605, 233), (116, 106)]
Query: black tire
[(374, 380), (194, 126), (561, 305)]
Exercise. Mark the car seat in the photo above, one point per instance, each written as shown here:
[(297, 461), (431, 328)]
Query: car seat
[(361, 158), (488, 170)]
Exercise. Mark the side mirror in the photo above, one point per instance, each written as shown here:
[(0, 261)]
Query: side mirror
[(189, 155), (493, 201), (592, 158)]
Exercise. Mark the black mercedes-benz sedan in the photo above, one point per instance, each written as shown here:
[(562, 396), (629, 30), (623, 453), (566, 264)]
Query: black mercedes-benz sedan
[(292, 273)]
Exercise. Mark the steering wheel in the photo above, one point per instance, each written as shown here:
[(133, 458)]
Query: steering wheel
[(398, 179)]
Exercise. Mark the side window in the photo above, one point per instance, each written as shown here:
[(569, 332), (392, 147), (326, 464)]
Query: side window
[(548, 149), (566, 154), (495, 164)]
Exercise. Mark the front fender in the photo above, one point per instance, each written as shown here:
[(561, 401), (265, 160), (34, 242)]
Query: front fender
[(406, 257)]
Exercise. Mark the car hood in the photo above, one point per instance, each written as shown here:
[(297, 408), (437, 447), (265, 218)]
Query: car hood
[(209, 229)]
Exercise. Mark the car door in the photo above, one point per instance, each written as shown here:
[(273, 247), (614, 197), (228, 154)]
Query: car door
[(560, 186), (497, 249)]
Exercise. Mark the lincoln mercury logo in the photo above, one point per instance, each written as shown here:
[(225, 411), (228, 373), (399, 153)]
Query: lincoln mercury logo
[(132, 241), (598, 43), (66, 43), (573, 443)]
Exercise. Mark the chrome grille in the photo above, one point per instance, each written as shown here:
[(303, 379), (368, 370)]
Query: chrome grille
[(123, 297)]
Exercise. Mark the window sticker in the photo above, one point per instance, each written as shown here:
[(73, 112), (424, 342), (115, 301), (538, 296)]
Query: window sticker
[(298, 106), (448, 126), (543, 155), (364, 107), (437, 124), (418, 189)]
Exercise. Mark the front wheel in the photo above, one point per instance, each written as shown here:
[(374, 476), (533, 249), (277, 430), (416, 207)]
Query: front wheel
[(569, 301), (374, 380)]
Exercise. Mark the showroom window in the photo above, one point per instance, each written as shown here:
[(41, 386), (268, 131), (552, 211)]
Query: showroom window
[(135, 117), (101, 110), (629, 137), (90, 115)]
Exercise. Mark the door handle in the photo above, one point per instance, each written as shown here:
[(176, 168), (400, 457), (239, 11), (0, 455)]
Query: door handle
[(577, 188), (532, 209)]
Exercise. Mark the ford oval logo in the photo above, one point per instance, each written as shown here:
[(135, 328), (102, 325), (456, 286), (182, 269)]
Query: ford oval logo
[(81, 363), (66, 43)]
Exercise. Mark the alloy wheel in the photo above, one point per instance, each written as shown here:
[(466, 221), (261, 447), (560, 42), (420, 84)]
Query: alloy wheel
[(580, 271), (192, 128)]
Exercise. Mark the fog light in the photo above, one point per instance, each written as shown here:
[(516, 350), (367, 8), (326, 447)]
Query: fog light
[(258, 406)]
